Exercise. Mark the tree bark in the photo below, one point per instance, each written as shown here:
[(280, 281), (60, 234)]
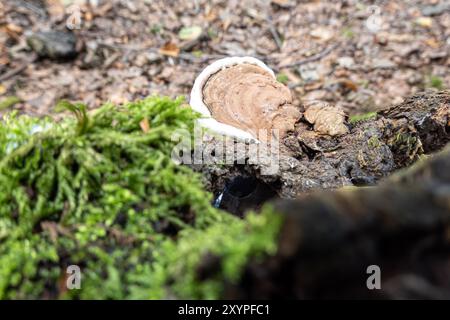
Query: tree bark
[(329, 239)]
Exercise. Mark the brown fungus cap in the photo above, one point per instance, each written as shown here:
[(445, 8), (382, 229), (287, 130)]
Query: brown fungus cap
[(247, 97), (327, 119)]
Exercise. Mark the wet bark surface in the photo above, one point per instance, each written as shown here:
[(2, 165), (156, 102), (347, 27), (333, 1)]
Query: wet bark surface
[(371, 149), (329, 239)]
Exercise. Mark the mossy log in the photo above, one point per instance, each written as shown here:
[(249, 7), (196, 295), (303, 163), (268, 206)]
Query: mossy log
[(329, 239), (371, 149), (103, 193)]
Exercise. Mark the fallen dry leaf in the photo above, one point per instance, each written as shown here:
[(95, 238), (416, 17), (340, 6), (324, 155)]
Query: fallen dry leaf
[(11, 27), (322, 33), (145, 126), (4, 60), (433, 43), (348, 84), (88, 16), (14, 31), (211, 15), (55, 9)]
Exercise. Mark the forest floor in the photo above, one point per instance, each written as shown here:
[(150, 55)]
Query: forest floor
[(361, 55)]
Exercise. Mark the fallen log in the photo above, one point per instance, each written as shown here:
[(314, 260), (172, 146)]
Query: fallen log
[(330, 240)]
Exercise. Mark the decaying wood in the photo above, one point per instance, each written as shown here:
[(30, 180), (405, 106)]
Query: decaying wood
[(329, 239), (372, 149)]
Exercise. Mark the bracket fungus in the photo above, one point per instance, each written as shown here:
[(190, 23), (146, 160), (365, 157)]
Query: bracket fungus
[(327, 119), (240, 97)]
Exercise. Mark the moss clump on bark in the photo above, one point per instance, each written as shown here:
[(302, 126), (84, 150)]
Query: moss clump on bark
[(102, 192)]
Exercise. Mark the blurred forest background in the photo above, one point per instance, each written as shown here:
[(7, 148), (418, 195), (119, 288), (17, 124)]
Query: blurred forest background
[(361, 55)]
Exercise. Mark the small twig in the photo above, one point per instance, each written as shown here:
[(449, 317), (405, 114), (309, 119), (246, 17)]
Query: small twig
[(196, 7), (313, 58), (110, 60), (122, 47)]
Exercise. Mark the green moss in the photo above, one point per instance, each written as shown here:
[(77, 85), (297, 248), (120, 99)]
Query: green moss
[(407, 146), (156, 29), (362, 117), (364, 83), (435, 82), (348, 33), (373, 142), (409, 143), (8, 102), (99, 192), (212, 33), (197, 53), (231, 242)]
